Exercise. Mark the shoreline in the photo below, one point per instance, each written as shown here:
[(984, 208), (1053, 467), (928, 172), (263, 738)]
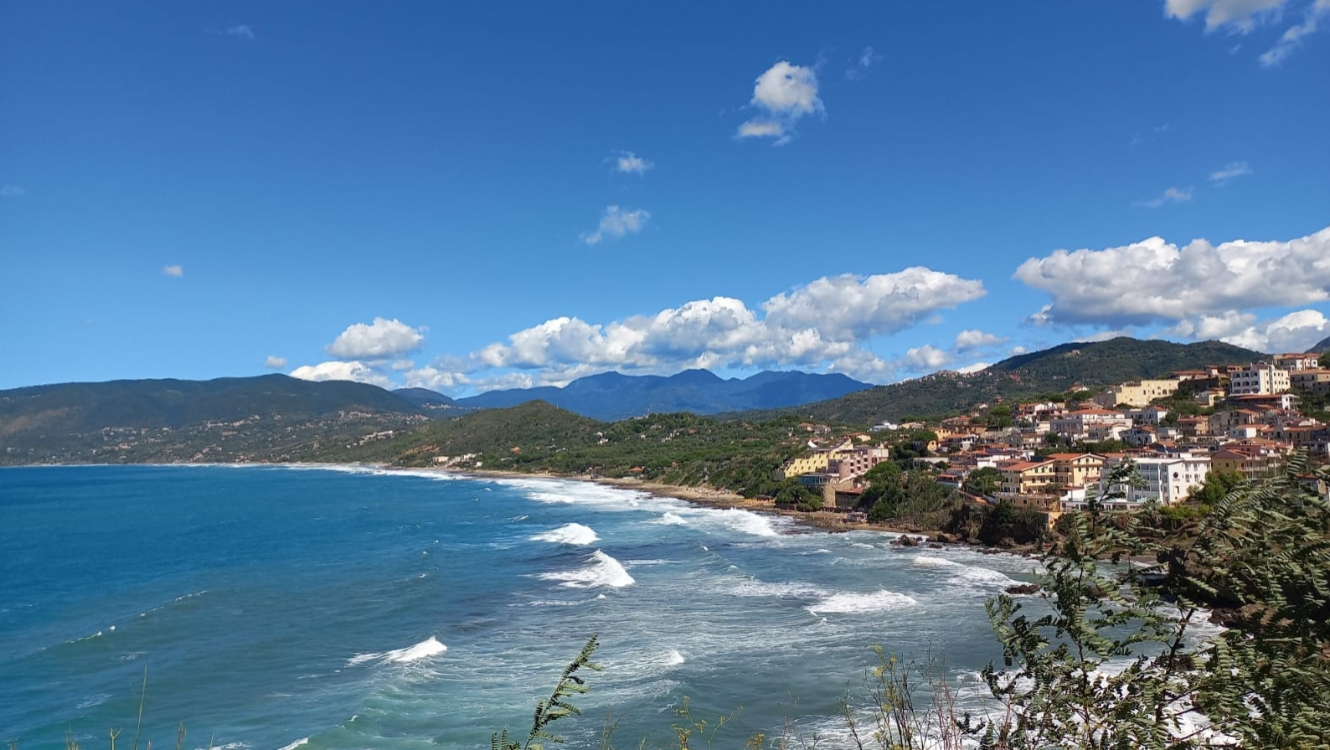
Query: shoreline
[(824, 521)]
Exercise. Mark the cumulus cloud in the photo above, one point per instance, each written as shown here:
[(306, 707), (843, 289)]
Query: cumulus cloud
[(1199, 285), (1171, 195), (1237, 15), (381, 339), (825, 323), (356, 371), (1293, 36), (274, 363), (630, 163), (12, 191), (970, 340), (1294, 332), (926, 357), (617, 222), (783, 94), (1231, 170), (973, 368), (176, 271)]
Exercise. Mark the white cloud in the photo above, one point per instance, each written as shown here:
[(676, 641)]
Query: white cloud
[(630, 163), (435, 379), (973, 368), (402, 365), (1171, 195), (12, 191), (784, 93), (176, 271), (357, 371), (240, 31), (824, 323), (926, 357), (1237, 15), (1153, 281), (616, 223), (1231, 170), (380, 340), (1294, 332), (975, 339), (274, 363), (1293, 36)]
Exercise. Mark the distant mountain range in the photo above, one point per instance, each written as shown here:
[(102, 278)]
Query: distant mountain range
[(275, 417), (611, 396), (1089, 365), (1322, 347)]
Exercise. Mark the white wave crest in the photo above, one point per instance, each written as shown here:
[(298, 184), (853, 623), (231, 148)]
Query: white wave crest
[(569, 533), (602, 571), (671, 519), (931, 561), (674, 658), (297, 743), (745, 521), (851, 603), (423, 650)]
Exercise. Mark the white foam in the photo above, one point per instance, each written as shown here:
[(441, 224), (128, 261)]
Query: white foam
[(602, 571), (423, 650), (851, 603), (569, 533), (755, 588), (930, 561), (297, 743), (671, 519), (563, 491), (674, 658), (745, 521)]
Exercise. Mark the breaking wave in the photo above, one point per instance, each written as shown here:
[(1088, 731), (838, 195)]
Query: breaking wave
[(851, 603), (423, 650), (603, 570), (569, 533)]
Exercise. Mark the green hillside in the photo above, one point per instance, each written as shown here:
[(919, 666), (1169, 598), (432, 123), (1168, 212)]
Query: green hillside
[(678, 448), (272, 417), (1061, 368)]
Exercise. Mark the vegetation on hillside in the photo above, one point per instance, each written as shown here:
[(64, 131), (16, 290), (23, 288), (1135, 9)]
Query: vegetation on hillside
[(1051, 371), (684, 449)]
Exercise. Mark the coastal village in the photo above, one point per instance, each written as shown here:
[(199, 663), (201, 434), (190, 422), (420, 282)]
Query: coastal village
[(1055, 455)]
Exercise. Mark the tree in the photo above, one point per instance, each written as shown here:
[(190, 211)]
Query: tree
[(1263, 553), (984, 481), (1324, 360), (1217, 485)]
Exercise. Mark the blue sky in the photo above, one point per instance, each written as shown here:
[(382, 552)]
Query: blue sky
[(474, 195)]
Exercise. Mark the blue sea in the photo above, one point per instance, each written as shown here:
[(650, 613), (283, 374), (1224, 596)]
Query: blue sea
[(324, 607)]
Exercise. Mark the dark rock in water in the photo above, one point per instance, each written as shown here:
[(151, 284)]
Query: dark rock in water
[(905, 540), (935, 545), (943, 537), (1006, 542), (1023, 589)]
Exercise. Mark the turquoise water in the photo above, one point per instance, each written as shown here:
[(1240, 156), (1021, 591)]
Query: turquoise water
[(360, 608)]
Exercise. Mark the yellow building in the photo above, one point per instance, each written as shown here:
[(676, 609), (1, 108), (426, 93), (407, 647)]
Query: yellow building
[(1137, 394)]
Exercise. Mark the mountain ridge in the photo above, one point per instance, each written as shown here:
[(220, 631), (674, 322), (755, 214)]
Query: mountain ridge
[(613, 395)]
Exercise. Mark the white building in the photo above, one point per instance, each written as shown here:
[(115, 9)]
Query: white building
[(1168, 480), (1077, 425), (1297, 362), (1259, 379)]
